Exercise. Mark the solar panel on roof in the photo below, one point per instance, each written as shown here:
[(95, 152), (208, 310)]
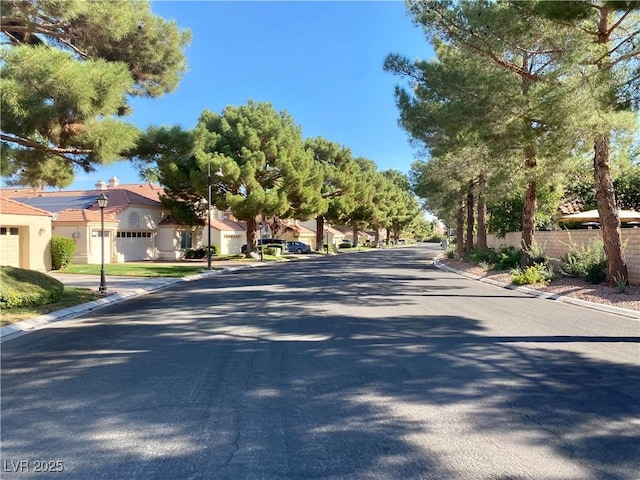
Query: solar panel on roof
[(56, 204)]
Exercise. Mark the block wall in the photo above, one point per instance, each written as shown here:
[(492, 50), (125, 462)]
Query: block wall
[(556, 244)]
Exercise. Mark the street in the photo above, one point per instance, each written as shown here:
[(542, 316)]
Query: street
[(372, 365)]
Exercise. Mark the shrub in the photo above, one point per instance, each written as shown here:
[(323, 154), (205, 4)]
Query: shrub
[(538, 273), (200, 252), (25, 288), (536, 253), (586, 261), (435, 239), (62, 251), (450, 252), (272, 250), (505, 258)]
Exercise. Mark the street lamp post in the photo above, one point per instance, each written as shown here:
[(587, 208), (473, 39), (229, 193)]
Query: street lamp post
[(209, 215), (102, 203), (218, 174)]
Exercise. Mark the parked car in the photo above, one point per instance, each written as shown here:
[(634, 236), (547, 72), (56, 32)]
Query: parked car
[(268, 242), (298, 247)]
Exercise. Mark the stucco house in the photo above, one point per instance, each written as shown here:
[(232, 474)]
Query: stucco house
[(25, 236), (136, 225), (332, 236)]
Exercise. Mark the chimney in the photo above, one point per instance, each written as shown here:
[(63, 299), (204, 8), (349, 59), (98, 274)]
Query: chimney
[(114, 182), (100, 185)]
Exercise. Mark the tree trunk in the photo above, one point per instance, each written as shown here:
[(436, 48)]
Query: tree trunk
[(460, 229), (355, 234), (468, 246), (605, 193), (528, 222), (388, 237), (482, 212), (319, 233), (252, 241), (608, 211), (377, 236)]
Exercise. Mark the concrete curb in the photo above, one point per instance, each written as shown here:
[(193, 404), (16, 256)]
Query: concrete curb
[(15, 330), (624, 312)]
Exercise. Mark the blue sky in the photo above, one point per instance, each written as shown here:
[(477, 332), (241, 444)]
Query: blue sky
[(319, 61)]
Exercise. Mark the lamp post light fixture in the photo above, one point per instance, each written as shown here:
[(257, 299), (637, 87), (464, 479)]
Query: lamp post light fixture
[(102, 203)]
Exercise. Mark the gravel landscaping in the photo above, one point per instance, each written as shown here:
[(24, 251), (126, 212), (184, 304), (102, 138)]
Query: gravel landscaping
[(569, 287)]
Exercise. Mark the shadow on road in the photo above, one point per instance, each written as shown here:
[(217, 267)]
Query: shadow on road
[(271, 376)]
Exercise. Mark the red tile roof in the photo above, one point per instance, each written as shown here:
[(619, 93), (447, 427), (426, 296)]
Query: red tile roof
[(11, 207), (570, 207), (148, 190), (226, 225), (76, 215)]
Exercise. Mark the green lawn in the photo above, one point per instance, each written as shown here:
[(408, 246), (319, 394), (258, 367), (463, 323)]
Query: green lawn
[(137, 269), (70, 296)]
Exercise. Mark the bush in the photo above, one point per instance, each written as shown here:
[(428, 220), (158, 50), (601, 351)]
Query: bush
[(536, 253), (507, 257), (450, 252), (538, 273), (27, 288), (272, 250), (435, 239), (487, 255), (200, 252), (503, 259), (586, 261), (62, 251)]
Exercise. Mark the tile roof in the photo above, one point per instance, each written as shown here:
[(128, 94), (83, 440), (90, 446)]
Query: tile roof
[(11, 207), (119, 198), (226, 225), (148, 190), (77, 215), (302, 229), (570, 207)]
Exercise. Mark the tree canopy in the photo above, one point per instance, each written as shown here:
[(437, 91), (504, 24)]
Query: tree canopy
[(68, 68)]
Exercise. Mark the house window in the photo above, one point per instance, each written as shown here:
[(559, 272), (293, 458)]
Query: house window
[(134, 235), (8, 231), (186, 240)]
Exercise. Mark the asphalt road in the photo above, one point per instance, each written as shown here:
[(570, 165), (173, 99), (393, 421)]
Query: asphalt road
[(364, 366)]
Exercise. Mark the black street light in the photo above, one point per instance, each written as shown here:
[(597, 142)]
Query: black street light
[(218, 174), (102, 203)]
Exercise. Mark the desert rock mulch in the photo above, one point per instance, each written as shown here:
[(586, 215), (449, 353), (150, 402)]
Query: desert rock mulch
[(565, 286)]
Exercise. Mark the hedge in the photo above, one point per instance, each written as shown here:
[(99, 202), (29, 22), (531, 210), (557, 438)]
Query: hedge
[(62, 251), (26, 288)]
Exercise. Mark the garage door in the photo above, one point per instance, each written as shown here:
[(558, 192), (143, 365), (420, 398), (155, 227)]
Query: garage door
[(231, 244), (10, 246), (133, 246)]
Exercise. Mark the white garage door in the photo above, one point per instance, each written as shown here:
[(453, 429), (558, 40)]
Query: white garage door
[(10, 246), (133, 246), (231, 244)]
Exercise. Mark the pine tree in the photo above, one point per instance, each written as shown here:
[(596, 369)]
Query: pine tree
[(66, 75)]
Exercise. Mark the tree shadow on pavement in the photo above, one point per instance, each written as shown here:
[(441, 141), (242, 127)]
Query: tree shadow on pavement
[(260, 375)]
